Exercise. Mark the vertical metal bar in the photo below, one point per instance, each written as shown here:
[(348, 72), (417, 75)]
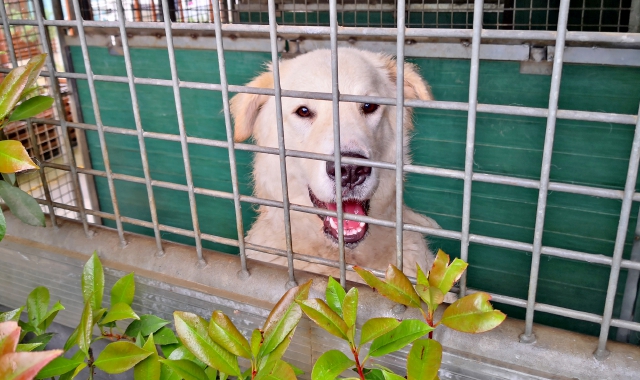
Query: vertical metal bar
[(634, 17), (478, 7), (627, 201), (8, 38), (98, 117), (400, 131), (183, 133), (136, 116), (55, 91), (630, 287), (556, 76), (232, 153), (337, 158), (43, 177), (273, 36)]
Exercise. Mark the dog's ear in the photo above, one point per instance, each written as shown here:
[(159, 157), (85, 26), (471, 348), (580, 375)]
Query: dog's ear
[(414, 86), (245, 107)]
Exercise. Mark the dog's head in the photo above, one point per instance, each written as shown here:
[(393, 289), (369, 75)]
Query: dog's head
[(367, 131)]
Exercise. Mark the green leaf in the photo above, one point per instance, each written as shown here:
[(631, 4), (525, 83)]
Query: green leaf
[(97, 316), (119, 312), (225, 333), (211, 373), (187, 369), (392, 376), (183, 352), (223, 376), (283, 318), (149, 368), (3, 225), (58, 366), (139, 340), (11, 89), (34, 66), (85, 329), (93, 281), (279, 351), (424, 360), (421, 278), (397, 287), (373, 374), (27, 347), (43, 339), (319, 312), (443, 275), (49, 317), (335, 295), (123, 290), (408, 331), (31, 107), (331, 364), (9, 177), (148, 324), (167, 349), (256, 342), (350, 307), (192, 331), (376, 327), (37, 305), (22, 205), (12, 315), (121, 356), (14, 157), (72, 374), (25, 365), (431, 295), (279, 371), (165, 336), (472, 314), (72, 340)]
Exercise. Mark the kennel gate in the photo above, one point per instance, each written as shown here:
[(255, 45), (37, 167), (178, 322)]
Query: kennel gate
[(403, 41)]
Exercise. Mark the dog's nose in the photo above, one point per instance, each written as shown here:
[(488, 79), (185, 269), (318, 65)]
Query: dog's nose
[(352, 175)]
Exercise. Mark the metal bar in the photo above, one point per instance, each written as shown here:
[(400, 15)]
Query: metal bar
[(634, 17), (471, 136), (43, 177), (183, 133), (55, 91), (8, 38), (556, 77), (400, 131), (229, 129), (98, 117), (273, 36), (629, 188), (140, 131), (335, 102), (630, 287)]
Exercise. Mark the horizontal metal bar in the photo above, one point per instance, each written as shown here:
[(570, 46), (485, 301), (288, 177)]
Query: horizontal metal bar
[(540, 35), (454, 235)]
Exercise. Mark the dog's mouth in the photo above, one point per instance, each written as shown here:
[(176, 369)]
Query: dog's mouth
[(354, 232)]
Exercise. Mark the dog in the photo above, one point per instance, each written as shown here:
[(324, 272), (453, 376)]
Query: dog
[(367, 131)]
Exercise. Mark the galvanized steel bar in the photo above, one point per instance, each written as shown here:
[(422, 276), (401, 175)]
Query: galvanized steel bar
[(43, 177), (629, 188), (55, 91), (229, 129), (400, 132), (8, 38), (471, 136), (96, 113), (556, 77), (631, 286), (335, 102), (273, 36), (183, 133), (139, 130)]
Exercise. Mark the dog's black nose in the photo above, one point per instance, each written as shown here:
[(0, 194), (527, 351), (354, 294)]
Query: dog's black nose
[(352, 175)]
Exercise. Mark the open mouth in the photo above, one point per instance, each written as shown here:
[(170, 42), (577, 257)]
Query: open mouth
[(354, 231)]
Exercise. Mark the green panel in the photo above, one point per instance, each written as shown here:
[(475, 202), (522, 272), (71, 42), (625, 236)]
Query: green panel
[(586, 153)]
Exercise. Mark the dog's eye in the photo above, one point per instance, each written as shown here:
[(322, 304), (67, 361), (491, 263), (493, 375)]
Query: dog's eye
[(369, 108), (304, 112)]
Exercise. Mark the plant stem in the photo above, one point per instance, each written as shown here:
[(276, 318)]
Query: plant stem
[(91, 367), (358, 366)]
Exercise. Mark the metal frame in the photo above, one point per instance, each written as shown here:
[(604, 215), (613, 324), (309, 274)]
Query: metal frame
[(472, 107)]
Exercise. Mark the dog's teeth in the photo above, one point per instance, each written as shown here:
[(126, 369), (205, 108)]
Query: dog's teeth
[(333, 223), (361, 225)]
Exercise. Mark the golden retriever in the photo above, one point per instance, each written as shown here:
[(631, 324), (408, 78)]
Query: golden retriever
[(367, 131)]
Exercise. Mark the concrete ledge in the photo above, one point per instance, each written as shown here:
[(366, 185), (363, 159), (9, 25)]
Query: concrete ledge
[(53, 257)]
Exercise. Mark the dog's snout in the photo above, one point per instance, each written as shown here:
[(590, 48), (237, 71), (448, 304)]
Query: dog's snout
[(352, 175)]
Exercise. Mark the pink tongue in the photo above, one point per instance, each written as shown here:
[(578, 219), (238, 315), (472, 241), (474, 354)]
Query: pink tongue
[(348, 208)]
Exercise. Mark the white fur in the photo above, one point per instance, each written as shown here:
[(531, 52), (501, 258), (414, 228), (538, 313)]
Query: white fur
[(360, 73)]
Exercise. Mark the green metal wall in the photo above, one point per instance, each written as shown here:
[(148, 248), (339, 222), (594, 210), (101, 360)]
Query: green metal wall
[(585, 153)]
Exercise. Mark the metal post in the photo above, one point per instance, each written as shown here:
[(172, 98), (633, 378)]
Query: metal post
[(634, 17), (556, 76), (43, 177), (629, 188), (478, 8), (337, 158), (183, 133), (631, 286), (8, 38), (229, 129), (138, 121), (400, 131), (273, 35), (55, 91), (98, 117)]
